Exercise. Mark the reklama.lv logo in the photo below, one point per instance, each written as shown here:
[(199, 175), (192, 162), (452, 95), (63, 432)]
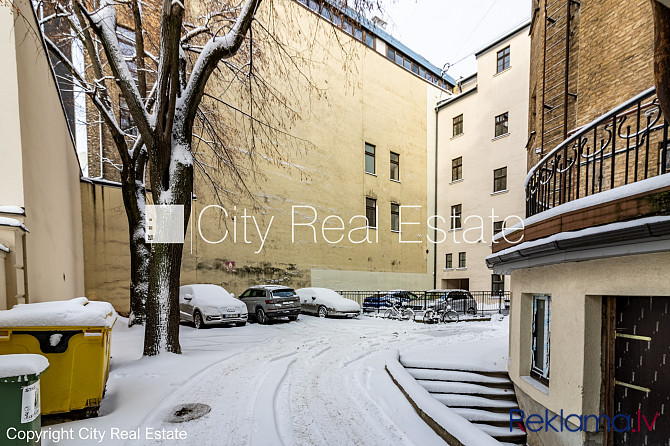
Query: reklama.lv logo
[(559, 422)]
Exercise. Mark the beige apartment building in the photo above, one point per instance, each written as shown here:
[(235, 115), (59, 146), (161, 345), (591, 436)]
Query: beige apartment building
[(41, 248), (482, 131), (368, 148)]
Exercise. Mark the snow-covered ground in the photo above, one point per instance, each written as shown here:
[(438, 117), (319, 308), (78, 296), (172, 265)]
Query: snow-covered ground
[(311, 382)]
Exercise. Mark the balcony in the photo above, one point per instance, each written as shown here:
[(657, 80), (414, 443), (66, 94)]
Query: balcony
[(607, 184)]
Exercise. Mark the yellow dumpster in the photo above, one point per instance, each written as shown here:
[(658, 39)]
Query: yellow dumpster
[(75, 337)]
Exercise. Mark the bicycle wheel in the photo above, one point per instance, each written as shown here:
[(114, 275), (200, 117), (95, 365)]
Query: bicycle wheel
[(450, 316), (428, 316), (407, 314), (388, 314)]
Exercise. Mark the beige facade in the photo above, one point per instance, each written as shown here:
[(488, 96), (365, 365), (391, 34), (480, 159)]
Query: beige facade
[(39, 184), (481, 153), (373, 100)]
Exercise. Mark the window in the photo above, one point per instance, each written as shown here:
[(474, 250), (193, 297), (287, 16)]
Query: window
[(462, 260), (456, 216), (503, 60), (502, 125), (498, 226), (127, 46), (395, 166), (540, 338), (125, 118), (325, 12), (458, 125), (395, 217), (457, 169), (371, 211), (370, 40), (500, 179), (449, 261), (497, 283), (369, 158)]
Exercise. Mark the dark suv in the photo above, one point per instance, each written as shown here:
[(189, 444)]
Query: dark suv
[(265, 302), (459, 300)]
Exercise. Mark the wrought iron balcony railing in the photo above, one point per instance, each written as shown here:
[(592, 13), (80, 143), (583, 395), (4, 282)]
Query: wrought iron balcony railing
[(626, 145)]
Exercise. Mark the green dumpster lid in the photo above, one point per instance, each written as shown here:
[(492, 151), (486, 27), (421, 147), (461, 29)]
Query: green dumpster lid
[(77, 312), (24, 364)]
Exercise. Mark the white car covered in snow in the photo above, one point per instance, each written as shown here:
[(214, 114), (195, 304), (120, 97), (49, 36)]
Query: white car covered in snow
[(206, 304), (324, 302)]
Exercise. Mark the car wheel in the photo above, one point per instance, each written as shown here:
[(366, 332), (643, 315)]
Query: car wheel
[(293, 318), (240, 324), (261, 317), (197, 320), (323, 312), (472, 310)]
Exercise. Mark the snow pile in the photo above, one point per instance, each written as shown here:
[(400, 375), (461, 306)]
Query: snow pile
[(77, 312), (20, 365), (11, 210), (6, 221)]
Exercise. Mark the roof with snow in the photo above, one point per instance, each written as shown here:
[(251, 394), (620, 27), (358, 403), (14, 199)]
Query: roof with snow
[(379, 32), (18, 210), (12, 222), (515, 30)]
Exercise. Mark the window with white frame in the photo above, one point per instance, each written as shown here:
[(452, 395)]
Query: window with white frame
[(539, 368)]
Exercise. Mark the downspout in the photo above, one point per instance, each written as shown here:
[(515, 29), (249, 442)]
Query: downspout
[(437, 110)]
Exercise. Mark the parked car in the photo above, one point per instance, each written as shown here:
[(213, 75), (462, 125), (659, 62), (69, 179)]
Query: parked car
[(266, 302), (324, 302), (206, 304), (394, 297), (459, 300)]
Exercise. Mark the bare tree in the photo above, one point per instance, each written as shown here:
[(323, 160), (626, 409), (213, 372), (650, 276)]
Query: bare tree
[(165, 95)]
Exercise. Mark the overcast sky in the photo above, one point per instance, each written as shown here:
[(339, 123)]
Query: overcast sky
[(445, 31)]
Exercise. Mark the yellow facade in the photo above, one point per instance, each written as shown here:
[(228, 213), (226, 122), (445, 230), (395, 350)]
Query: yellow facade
[(363, 97)]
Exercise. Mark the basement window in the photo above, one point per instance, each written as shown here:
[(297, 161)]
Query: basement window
[(540, 338)]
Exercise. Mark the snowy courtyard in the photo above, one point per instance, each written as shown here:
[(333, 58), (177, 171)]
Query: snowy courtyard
[(311, 382)]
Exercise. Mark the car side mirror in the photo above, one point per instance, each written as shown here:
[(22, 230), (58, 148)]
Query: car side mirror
[(313, 297), (188, 297)]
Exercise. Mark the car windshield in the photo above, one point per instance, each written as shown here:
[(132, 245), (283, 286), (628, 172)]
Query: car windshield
[(283, 293)]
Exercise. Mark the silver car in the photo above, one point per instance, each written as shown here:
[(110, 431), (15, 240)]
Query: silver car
[(266, 302), (206, 304)]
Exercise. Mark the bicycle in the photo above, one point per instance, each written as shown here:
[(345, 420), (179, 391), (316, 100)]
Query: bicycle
[(435, 316), (399, 313)]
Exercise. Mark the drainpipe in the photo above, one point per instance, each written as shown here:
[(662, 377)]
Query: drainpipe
[(437, 110)]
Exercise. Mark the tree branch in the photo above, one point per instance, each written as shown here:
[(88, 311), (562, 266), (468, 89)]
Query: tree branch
[(217, 49)]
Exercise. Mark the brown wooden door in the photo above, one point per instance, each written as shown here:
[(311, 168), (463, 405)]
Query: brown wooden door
[(640, 385)]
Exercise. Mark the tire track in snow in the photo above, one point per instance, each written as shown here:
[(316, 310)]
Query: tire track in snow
[(266, 429)]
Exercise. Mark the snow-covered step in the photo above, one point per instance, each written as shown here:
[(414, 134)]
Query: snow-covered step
[(474, 402), (466, 388), (501, 433), (483, 416), (448, 365), (458, 375)]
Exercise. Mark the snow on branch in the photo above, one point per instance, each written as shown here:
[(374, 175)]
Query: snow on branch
[(103, 23), (215, 50)]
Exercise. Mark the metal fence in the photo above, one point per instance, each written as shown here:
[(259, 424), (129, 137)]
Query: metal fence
[(486, 302)]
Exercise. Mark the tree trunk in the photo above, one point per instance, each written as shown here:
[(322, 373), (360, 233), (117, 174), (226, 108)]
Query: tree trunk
[(134, 198), (161, 333), (662, 55)]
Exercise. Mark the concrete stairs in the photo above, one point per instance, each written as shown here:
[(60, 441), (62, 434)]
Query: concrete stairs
[(482, 397)]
